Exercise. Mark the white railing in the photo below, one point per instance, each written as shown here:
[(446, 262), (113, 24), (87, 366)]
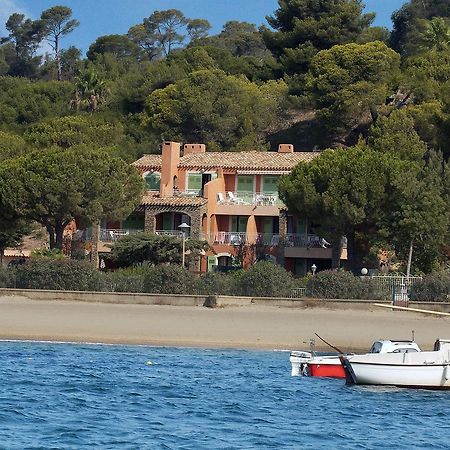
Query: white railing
[(249, 198), (107, 235), (298, 292), (237, 238)]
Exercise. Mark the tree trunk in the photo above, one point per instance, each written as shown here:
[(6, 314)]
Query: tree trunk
[(408, 267), (58, 58), (59, 233), (51, 236), (2, 254), (336, 251)]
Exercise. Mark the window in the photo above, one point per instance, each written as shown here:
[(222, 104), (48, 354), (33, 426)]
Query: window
[(270, 184), (194, 182), (152, 181), (239, 224), (245, 183)]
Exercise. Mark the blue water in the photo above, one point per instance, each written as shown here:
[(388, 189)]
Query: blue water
[(84, 396)]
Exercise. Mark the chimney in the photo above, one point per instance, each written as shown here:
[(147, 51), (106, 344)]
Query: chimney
[(169, 169), (194, 148), (285, 148)]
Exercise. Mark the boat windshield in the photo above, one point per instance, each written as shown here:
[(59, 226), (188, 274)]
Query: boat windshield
[(405, 350), (376, 347)]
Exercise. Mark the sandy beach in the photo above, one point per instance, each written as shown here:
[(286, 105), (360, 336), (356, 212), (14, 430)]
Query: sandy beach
[(258, 327)]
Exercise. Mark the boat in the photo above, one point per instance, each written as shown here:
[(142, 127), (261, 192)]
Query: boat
[(310, 364), (413, 369)]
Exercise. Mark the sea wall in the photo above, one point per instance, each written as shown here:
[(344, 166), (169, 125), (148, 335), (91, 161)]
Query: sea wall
[(202, 300)]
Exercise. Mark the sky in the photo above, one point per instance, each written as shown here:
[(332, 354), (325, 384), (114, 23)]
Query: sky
[(100, 17)]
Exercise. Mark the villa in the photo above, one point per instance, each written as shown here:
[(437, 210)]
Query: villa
[(229, 199)]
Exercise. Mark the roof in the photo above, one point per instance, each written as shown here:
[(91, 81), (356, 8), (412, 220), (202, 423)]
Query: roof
[(149, 162), (246, 160), (153, 199)]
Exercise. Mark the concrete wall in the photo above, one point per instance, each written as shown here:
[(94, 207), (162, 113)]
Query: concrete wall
[(201, 300)]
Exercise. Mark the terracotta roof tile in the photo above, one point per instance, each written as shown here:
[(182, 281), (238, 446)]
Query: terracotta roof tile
[(248, 160), (154, 200), (149, 161)]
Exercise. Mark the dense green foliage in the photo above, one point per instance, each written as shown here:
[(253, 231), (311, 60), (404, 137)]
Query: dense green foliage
[(318, 76), (340, 284), (434, 287)]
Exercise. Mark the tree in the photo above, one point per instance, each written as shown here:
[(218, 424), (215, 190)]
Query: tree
[(152, 249), (408, 23), (70, 62), (304, 27), (221, 110), (144, 35), (55, 187), (11, 146), (395, 134), (347, 192), (166, 26), (70, 131), (437, 35), (347, 82), (90, 92), (57, 22), (198, 28), (117, 45), (26, 36)]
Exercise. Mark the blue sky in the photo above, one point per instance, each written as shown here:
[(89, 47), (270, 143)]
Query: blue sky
[(100, 17)]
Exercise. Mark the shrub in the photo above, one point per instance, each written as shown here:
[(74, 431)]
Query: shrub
[(434, 287), (7, 278), (265, 279), (211, 283), (126, 280), (165, 279), (342, 284), (57, 275)]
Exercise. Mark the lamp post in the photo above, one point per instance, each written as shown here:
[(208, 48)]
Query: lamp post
[(313, 269), (184, 227)]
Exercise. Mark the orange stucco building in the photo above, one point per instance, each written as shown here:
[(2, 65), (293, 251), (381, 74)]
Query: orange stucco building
[(229, 199)]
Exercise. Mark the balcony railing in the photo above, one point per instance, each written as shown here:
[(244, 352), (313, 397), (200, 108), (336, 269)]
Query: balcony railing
[(303, 240), (107, 235), (238, 238), (249, 198)]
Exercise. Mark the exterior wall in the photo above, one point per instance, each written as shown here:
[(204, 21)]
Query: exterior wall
[(170, 161), (230, 182)]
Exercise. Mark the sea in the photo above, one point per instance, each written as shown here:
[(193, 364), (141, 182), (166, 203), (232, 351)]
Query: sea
[(77, 396)]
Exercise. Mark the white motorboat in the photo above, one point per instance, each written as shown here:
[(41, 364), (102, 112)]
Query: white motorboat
[(310, 364), (429, 370)]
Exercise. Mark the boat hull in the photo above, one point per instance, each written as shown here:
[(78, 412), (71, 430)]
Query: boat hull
[(418, 376), (330, 370)]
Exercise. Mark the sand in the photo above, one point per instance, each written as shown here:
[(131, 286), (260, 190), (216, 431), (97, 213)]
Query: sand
[(259, 327)]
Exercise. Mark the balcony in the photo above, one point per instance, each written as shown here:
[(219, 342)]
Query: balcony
[(176, 233), (250, 199), (114, 235), (238, 238)]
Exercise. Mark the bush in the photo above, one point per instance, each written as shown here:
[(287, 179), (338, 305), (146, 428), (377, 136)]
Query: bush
[(211, 283), (165, 279), (126, 280), (265, 279), (434, 287), (57, 275), (7, 278), (342, 284)]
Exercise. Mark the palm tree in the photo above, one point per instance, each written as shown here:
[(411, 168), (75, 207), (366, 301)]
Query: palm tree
[(90, 92), (437, 35)]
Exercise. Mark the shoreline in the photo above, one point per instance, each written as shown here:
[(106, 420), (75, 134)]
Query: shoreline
[(254, 327)]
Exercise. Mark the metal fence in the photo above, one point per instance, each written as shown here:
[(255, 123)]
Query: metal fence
[(396, 286), (298, 293)]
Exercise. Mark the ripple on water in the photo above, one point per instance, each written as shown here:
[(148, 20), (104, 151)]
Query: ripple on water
[(83, 396)]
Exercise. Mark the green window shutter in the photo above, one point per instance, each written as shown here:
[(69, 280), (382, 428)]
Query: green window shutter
[(211, 263), (245, 183), (167, 221), (270, 184), (234, 223), (194, 181), (153, 181)]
